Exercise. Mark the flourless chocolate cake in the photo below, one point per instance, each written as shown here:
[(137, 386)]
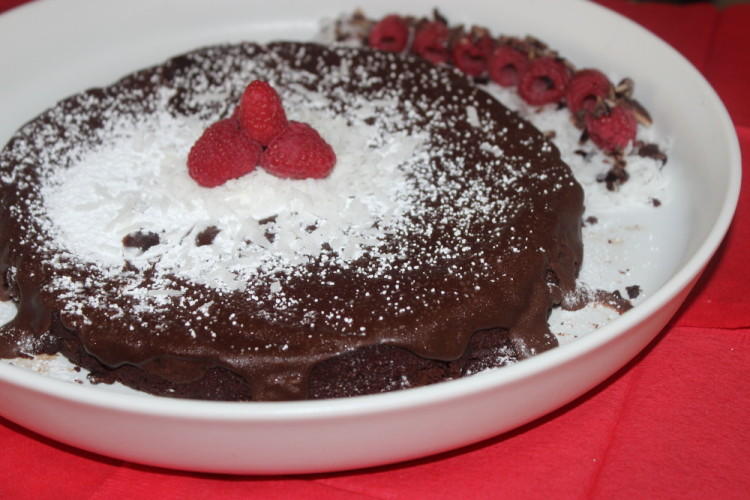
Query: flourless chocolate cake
[(436, 247)]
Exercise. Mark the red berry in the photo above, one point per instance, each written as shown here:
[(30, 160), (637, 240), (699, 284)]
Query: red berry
[(261, 113), (470, 54), (544, 82), (585, 89), (223, 152), (391, 33), (431, 42), (506, 65), (299, 152), (612, 131)]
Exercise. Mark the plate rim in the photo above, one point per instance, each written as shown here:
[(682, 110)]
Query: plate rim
[(682, 280)]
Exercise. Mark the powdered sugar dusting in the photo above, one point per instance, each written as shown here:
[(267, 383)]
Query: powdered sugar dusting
[(347, 211)]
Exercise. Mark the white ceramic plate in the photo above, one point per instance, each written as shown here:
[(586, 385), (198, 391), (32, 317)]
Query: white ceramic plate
[(44, 60)]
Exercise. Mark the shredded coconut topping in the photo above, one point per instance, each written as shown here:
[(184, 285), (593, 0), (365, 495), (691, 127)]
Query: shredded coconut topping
[(96, 202)]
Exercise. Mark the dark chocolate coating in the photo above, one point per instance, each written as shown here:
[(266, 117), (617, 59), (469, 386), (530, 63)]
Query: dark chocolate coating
[(469, 286)]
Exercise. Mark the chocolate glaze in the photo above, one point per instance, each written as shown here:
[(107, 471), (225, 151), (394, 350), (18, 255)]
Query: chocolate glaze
[(476, 306)]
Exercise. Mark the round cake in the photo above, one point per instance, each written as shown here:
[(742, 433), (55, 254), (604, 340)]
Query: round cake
[(436, 248)]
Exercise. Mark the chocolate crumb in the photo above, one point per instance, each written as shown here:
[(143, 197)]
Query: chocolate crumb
[(590, 221), (141, 240), (614, 300), (633, 291), (615, 176), (206, 237), (652, 151), (584, 137)]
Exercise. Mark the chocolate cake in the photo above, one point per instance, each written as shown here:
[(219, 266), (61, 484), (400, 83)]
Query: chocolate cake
[(435, 249)]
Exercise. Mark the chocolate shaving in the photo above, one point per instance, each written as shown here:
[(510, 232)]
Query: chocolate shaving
[(652, 151), (633, 291), (584, 297), (206, 237), (615, 176), (141, 240), (590, 221)]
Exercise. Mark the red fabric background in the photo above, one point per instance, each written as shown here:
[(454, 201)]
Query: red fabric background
[(674, 423)]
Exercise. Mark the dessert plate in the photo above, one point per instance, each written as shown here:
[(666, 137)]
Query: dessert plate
[(663, 250)]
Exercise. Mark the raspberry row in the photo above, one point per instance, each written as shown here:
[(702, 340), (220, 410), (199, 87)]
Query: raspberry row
[(605, 112)]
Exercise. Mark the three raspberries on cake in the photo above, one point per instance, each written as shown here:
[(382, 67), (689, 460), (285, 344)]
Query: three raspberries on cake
[(259, 134)]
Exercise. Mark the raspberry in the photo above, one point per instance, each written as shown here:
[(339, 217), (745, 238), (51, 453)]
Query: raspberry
[(391, 33), (299, 152), (585, 89), (261, 113), (612, 131), (544, 81), (223, 152), (431, 42), (506, 65), (470, 53)]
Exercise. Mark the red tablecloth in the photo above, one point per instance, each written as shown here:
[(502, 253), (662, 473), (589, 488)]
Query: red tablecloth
[(674, 423)]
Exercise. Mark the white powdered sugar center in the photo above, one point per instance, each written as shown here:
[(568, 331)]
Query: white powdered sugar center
[(138, 182)]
